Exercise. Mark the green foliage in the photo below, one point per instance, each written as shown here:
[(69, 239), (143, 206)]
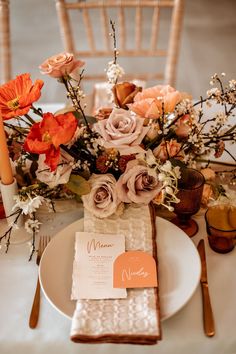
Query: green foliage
[(78, 185)]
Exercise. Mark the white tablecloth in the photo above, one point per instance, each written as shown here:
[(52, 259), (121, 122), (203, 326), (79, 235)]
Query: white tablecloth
[(182, 333)]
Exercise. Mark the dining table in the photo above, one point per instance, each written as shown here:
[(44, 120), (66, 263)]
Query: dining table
[(182, 333)]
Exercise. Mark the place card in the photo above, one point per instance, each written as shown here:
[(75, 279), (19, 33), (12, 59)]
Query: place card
[(95, 255), (135, 269)]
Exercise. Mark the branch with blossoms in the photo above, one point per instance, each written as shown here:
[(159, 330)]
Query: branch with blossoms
[(114, 70), (13, 226)]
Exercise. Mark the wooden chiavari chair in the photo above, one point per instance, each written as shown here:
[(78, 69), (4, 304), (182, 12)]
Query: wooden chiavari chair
[(84, 10)]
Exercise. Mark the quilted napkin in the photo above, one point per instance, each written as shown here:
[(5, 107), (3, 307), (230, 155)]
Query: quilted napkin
[(135, 319)]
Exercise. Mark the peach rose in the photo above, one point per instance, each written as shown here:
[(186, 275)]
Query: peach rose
[(60, 65), (102, 200), (208, 174), (150, 102), (168, 149), (103, 113), (207, 194), (182, 126), (124, 93), (123, 131), (138, 184)]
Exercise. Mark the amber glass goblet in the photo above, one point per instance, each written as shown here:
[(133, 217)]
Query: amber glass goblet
[(190, 191)]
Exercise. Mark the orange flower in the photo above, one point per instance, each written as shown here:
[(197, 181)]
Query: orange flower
[(17, 96), (47, 136), (124, 93)]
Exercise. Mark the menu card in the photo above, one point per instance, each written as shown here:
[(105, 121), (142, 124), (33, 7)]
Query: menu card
[(95, 255)]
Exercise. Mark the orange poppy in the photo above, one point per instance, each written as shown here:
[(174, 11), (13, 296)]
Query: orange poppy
[(17, 96), (47, 136)]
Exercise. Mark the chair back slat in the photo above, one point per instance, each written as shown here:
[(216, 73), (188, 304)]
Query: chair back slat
[(105, 27), (5, 52), (89, 30), (173, 48), (65, 28), (124, 10), (138, 27), (155, 28), (122, 29), (113, 3)]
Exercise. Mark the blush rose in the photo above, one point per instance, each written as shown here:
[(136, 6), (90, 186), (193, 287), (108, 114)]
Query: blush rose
[(138, 184), (102, 200), (123, 131)]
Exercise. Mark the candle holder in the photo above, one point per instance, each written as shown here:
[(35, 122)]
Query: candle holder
[(8, 191)]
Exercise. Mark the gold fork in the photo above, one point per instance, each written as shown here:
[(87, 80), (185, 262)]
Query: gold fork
[(34, 315)]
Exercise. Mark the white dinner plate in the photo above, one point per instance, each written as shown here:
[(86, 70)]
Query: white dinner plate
[(178, 259)]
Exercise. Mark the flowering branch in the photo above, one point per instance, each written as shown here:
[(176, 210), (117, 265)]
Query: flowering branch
[(75, 93), (114, 70), (7, 234), (113, 35)]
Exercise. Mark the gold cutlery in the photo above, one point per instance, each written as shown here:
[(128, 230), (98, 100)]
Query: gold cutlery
[(34, 315), (208, 319)]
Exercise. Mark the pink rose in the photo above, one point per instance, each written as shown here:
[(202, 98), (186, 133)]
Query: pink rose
[(150, 102), (123, 131), (60, 65), (168, 149), (138, 184), (102, 200), (182, 125)]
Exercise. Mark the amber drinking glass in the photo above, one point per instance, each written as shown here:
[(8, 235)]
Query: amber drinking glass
[(190, 193), (221, 227)]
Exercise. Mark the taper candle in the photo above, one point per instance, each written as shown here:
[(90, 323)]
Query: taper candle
[(5, 164)]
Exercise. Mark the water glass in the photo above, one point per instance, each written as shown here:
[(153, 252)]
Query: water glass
[(221, 227)]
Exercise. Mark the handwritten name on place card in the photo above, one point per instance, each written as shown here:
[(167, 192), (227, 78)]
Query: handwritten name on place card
[(95, 255), (134, 269)]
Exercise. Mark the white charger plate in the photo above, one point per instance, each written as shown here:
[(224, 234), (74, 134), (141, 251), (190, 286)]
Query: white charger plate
[(178, 262)]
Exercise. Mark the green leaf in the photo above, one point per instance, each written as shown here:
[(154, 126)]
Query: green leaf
[(176, 162), (78, 185)]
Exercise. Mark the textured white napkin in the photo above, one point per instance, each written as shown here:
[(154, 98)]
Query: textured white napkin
[(135, 319)]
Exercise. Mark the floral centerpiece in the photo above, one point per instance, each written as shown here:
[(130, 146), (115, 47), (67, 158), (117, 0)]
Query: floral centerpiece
[(131, 153)]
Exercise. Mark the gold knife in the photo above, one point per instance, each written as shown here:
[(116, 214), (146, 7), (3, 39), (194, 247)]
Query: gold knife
[(208, 319)]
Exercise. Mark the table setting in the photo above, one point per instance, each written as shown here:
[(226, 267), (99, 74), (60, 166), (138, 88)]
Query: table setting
[(118, 228)]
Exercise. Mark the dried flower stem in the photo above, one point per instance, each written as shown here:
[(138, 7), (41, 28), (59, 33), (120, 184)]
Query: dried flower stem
[(16, 129), (72, 94), (29, 119), (33, 242), (37, 111), (113, 35), (7, 234)]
